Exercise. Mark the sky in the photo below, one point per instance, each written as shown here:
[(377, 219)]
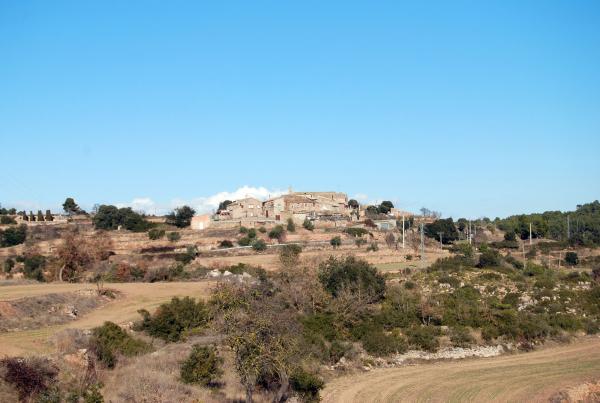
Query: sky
[(471, 108)]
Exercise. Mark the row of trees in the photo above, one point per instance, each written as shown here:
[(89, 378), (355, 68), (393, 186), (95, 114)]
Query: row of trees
[(579, 227)]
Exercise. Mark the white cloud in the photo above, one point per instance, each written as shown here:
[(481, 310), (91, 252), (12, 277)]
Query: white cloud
[(202, 204)]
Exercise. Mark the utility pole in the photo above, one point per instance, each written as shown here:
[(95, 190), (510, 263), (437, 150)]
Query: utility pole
[(422, 243), (469, 232), (441, 244), (402, 231), (530, 234), (568, 228)]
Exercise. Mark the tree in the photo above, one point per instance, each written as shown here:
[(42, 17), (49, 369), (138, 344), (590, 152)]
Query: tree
[(277, 233), (308, 224), (181, 217), (336, 241), (445, 226), (110, 217), (31, 216), (571, 258), (223, 205), (77, 254), (70, 207), (371, 211), (49, 216), (203, 366), (40, 216), (259, 245), (390, 240), (510, 236), (291, 227), (353, 204), (385, 207), (357, 276)]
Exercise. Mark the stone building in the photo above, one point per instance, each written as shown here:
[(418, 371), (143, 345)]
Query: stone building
[(244, 208)]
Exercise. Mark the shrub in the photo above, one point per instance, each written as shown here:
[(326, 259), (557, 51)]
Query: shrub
[(172, 320), (203, 366), (259, 245), (174, 236), (243, 230), (360, 242), (308, 224), (489, 258), (156, 233), (7, 220), (12, 236), (571, 258), (109, 340), (262, 230), (33, 267), (277, 232), (514, 262), (289, 254), (460, 337), (355, 275), (336, 241), (29, 376), (306, 385), (225, 243), (244, 241), (373, 247), (510, 236), (356, 231), (453, 281), (378, 343), (251, 233), (8, 265), (424, 337), (291, 227)]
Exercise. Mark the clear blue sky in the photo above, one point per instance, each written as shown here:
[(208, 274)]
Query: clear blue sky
[(471, 108)]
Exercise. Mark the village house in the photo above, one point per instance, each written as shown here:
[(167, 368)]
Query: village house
[(245, 208)]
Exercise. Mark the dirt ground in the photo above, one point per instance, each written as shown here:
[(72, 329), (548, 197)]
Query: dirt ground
[(531, 377), (124, 309)]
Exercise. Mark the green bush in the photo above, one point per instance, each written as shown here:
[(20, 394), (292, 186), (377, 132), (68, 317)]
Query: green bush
[(452, 281), (373, 247), (109, 340), (259, 245), (307, 224), (355, 275), (174, 236), (202, 367), (423, 337), (174, 319), (8, 265), (356, 231), (277, 232), (251, 233), (306, 385), (225, 243), (33, 267), (7, 220), (156, 233), (244, 241), (12, 236), (571, 258), (291, 227), (262, 230), (460, 337), (489, 258), (379, 343), (181, 217), (336, 241)]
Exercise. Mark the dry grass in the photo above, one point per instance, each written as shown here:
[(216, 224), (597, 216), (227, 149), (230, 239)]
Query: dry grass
[(133, 296), (535, 376)]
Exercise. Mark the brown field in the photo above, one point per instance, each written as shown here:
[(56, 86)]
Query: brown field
[(531, 377), (124, 309)]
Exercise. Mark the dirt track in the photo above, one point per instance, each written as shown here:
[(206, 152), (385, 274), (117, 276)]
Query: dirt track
[(531, 377), (124, 309)]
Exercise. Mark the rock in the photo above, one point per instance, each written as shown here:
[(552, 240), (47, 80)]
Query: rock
[(227, 273), (214, 273)]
